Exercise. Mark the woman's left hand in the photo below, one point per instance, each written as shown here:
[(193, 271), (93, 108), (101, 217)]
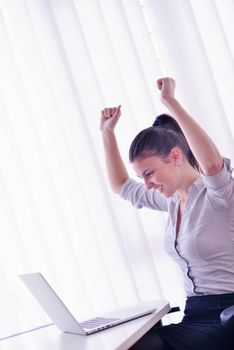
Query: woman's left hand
[(167, 88)]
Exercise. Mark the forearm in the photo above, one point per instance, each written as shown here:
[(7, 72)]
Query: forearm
[(202, 146), (116, 170)]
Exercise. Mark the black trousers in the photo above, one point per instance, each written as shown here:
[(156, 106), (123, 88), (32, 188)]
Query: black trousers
[(200, 328)]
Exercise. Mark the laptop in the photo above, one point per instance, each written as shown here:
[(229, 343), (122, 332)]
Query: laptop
[(64, 319)]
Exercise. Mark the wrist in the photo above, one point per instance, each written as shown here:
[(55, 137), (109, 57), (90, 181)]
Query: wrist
[(106, 133), (169, 101)]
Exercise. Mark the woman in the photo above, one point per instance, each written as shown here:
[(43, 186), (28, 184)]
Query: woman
[(200, 228)]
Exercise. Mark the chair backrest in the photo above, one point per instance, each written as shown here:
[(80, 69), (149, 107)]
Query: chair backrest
[(227, 317)]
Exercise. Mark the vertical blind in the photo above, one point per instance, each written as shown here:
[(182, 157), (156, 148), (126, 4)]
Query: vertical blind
[(61, 62)]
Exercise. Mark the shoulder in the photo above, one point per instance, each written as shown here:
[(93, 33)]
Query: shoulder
[(222, 178), (220, 187)]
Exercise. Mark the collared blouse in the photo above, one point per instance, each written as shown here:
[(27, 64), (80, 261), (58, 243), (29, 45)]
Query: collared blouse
[(204, 246)]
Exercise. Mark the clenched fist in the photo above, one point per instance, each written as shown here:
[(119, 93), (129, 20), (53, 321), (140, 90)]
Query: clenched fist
[(109, 118)]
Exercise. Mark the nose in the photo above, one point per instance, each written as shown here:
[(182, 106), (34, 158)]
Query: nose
[(148, 184)]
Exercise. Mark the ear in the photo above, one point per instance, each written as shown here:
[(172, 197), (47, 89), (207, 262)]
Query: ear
[(176, 156)]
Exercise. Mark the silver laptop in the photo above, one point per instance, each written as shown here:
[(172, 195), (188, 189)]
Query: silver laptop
[(64, 319)]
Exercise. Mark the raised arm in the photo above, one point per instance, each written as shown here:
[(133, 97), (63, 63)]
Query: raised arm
[(116, 170), (203, 148)]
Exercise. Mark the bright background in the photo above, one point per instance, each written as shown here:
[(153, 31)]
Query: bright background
[(61, 62)]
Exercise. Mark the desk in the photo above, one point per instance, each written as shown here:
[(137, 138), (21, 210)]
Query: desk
[(120, 337)]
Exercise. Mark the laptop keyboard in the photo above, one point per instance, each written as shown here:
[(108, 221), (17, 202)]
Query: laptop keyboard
[(97, 322)]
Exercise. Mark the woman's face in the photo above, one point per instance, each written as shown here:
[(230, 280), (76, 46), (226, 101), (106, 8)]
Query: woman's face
[(160, 174)]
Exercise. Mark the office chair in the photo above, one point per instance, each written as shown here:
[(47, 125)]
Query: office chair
[(173, 309), (227, 317)]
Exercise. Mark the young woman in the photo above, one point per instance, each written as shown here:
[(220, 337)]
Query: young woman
[(186, 176)]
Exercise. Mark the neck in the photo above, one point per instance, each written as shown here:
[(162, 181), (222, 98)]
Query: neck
[(190, 176)]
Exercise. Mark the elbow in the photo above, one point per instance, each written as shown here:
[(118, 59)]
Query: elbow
[(214, 168), (116, 187)]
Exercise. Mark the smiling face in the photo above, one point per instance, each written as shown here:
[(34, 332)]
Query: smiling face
[(163, 175)]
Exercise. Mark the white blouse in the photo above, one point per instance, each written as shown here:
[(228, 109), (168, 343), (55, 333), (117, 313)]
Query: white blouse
[(204, 247)]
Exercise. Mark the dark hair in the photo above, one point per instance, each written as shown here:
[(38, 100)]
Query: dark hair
[(167, 122), (159, 139)]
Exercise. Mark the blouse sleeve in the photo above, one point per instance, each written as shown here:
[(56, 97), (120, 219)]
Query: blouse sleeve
[(220, 187), (140, 196)]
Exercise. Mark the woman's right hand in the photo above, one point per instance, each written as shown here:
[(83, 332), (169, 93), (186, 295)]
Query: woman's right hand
[(109, 118)]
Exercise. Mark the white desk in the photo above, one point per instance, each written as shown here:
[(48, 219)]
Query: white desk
[(120, 337)]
